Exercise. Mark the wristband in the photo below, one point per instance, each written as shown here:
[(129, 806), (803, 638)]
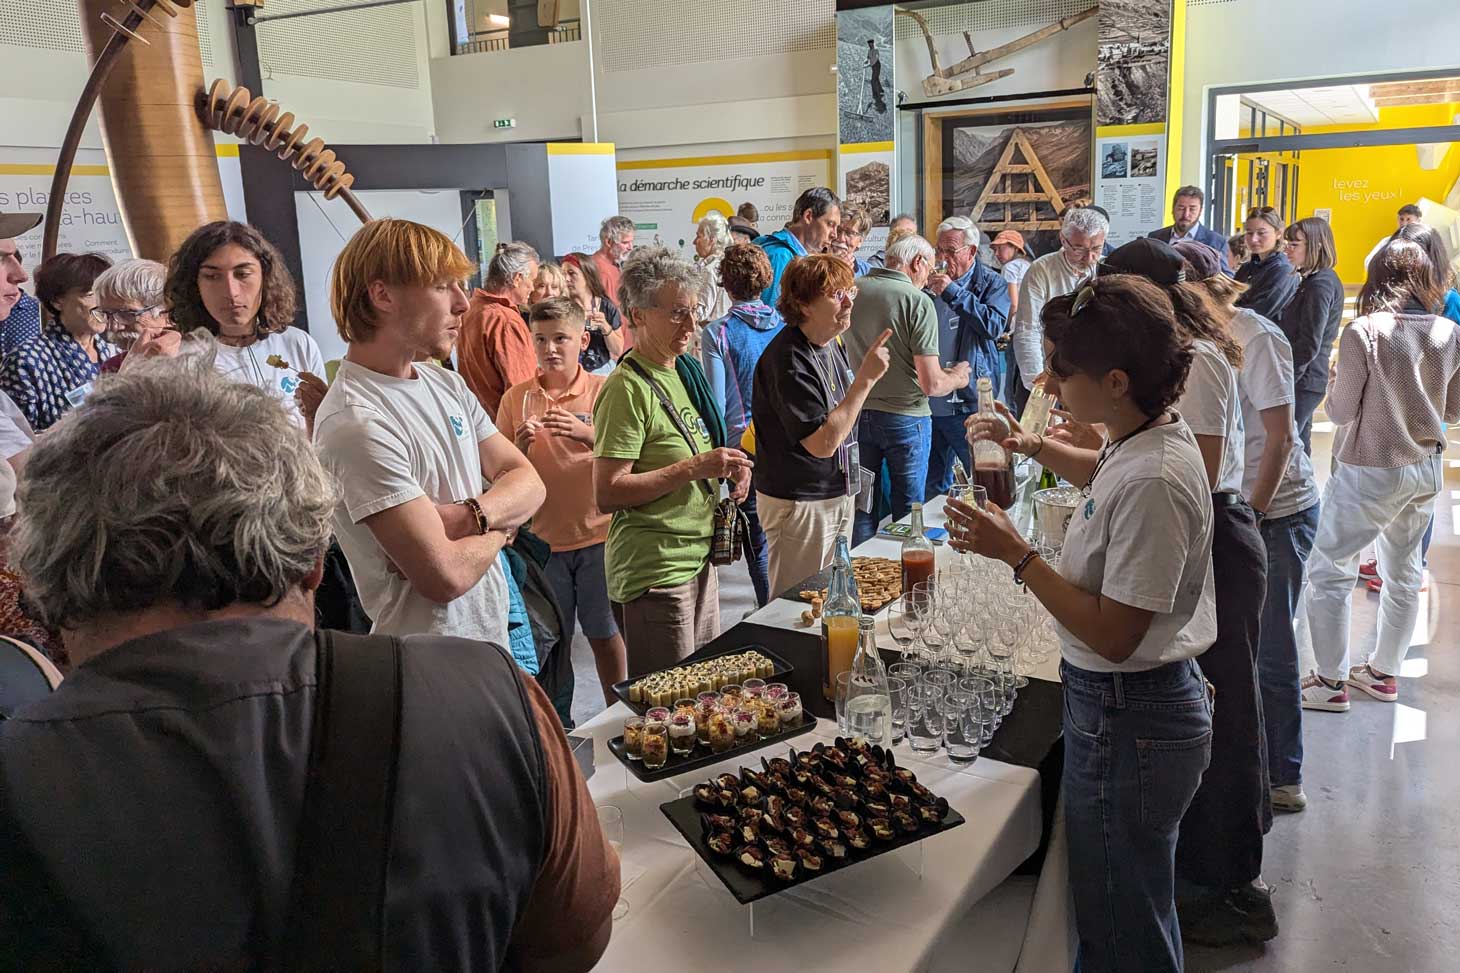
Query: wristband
[(1029, 555), (1038, 449), (475, 507)]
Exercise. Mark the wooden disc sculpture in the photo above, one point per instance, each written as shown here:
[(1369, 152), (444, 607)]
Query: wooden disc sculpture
[(157, 125)]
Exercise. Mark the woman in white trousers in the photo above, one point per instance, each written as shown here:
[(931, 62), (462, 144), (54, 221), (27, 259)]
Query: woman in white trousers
[(1395, 386)]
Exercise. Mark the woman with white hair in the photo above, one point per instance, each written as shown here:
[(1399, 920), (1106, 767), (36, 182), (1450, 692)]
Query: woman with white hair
[(131, 305), (711, 239), (658, 458)]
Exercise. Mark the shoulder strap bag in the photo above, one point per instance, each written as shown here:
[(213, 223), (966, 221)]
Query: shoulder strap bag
[(731, 538)]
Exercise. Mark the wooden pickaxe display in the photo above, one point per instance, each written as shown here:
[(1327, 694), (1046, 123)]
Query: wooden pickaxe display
[(968, 72)]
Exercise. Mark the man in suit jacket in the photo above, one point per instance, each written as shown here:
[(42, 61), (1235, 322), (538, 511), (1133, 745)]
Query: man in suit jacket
[(1186, 207)]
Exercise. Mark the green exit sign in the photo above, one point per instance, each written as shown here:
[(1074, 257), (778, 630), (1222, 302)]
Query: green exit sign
[(504, 123)]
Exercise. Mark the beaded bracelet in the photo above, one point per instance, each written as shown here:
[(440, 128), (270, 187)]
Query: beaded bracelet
[(1030, 555), (475, 507)]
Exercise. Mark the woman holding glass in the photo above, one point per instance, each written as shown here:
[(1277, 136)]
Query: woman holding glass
[(1134, 607)]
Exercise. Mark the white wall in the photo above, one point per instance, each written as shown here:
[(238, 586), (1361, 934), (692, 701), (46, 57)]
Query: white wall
[(545, 88), (1261, 41)]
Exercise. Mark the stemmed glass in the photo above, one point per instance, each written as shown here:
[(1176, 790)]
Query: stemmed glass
[(917, 614), (902, 625)]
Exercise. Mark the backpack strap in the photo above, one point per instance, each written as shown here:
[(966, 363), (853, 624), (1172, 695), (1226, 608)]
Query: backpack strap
[(336, 916)]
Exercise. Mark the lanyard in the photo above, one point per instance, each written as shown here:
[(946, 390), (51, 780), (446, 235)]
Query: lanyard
[(1110, 449)]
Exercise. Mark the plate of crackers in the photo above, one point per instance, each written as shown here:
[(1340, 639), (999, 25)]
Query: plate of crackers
[(879, 583)]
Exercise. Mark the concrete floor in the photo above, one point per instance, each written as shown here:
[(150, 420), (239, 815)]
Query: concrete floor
[(1368, 877)]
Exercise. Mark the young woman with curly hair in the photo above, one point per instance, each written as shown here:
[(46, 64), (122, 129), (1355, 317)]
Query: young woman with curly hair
[(229, 280), (1133, 599)]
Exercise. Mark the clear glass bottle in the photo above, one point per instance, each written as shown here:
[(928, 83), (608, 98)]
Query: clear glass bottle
[(1035, 419), (993, 467), (917, 553), (839, 617), (869, 700)]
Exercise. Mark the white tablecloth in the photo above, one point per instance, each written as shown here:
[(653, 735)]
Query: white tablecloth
[(876, 915)]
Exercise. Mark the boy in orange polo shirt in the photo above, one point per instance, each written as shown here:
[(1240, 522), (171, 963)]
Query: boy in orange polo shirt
[(551, 419)]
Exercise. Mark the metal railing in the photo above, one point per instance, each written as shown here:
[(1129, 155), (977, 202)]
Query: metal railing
[(499, 39)]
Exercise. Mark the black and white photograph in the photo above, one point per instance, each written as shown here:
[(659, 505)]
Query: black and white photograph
[(1143, 163), (871, 186), (1115, 162), (1135, 52), (865, 95), (986, 156)]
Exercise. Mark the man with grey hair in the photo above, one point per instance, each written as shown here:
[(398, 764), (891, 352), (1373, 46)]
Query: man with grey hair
[(495, 349), (1082, 239), (972, 302), (615, 242), (180, 751), (902, 221), (896, 424), (130, 305)]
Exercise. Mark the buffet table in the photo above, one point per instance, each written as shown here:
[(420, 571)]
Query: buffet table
[(902, 911)]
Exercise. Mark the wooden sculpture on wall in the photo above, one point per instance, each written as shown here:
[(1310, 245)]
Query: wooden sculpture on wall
[(157, 125), (968, 72)]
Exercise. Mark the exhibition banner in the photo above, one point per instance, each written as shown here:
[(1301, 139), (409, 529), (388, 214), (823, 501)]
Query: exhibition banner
[(90, 221), (1130, 179), (581, 184), (866, 178), (666, 198)]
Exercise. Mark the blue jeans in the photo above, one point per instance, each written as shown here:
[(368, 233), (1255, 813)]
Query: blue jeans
[(1136, 744), (1289, 541), (903, 442), (948, 442), (759, 559)]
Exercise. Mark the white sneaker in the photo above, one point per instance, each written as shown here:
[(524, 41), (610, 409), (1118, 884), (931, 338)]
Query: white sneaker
[(1319, 695), (1289, 798)]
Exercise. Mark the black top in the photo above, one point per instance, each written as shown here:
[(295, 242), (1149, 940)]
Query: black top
[(162, 784), (1311, 323), (796, 386), (1270, 281)]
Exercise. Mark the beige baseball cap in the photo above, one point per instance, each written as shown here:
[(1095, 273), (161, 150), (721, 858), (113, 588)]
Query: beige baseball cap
[(14, 224)]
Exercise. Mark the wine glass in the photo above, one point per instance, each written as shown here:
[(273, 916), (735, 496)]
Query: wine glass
[(534, 404), (917, 614), (900, 625), (611, 820)]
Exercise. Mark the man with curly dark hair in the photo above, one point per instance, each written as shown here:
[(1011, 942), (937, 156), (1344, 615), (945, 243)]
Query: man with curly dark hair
[(229, 280)]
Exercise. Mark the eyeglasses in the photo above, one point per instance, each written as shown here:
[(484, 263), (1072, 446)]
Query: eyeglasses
[(125, 317), (679, 315), (950, 251), (1084, 252), (846, 294)]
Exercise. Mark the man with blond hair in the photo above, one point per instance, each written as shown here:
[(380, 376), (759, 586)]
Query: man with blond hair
[(410, 445)]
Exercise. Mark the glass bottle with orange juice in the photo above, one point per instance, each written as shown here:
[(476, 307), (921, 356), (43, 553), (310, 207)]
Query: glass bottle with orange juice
[(839, 619)]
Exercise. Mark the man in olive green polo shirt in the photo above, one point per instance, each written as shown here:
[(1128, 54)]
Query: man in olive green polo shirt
[(896, 424)]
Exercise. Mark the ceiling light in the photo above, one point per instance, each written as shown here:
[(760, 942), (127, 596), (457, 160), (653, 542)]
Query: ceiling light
[(499, 20)]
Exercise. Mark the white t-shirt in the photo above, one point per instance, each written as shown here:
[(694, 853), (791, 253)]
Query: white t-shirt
[(250, 364), (388, 441), (1210, 407), (1144, 539), (1265, 382), (16, 434), (1014, 270)]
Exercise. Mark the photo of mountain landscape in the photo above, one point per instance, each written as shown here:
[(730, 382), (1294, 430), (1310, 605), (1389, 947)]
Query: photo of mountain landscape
[(1061, 146), (1135, 53)]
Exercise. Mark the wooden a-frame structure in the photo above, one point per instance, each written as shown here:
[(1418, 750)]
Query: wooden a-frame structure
[(1002, 188)]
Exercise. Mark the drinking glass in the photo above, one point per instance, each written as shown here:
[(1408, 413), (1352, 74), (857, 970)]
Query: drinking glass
[(634, 737), (611, 820), (944, 679), (963, 727), (656, 744), (843, 693), (917, 614), (976, 496), (909, 672), (925, 720), (903, 629), (983, 689), (534, 404), (899, 690)]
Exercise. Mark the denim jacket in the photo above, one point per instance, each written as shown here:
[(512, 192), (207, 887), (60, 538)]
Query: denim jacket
[(973, 313)]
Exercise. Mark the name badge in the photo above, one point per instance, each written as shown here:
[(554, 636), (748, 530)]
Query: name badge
[(78, 395)]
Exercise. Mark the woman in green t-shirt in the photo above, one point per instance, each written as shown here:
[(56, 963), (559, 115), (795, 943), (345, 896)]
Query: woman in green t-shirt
[(659, 455)]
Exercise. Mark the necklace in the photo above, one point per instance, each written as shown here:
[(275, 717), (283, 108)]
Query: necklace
[(1110, 449)]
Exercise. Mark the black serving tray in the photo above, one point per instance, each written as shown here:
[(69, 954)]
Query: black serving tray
[(746, 886), (702, 756), (783, 669)]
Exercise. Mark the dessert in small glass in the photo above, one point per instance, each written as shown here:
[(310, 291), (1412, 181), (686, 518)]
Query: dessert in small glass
[(768, 720), (634, 737), (753, 687), (745, 719), (656, 744), (705, 705), (731, 695), (658, 714), (790, 710), (682, 732), (777, 690), (721, 730)]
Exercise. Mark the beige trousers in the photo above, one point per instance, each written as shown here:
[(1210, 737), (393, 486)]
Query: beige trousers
[(801, 535), (663, 625)]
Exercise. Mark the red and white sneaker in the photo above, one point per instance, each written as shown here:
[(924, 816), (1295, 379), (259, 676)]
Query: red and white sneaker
[(1321, 695), (1384, 689), (1369, 569)]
